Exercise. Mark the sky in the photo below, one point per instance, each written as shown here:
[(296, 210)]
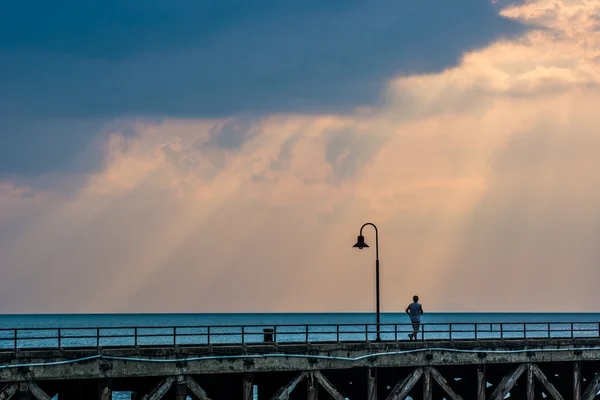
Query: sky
[(221, 156)]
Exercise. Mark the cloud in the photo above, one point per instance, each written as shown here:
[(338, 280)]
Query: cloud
[(34, 147), (348, 151), (232, 134), (73, 69), (480, 178), (284, 158)]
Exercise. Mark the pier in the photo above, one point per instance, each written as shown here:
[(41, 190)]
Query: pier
[(452, 361)]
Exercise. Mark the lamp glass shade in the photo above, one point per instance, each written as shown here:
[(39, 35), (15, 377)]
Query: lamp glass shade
[(360, 242)]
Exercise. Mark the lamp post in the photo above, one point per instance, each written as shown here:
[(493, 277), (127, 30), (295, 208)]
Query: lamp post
[(360, 244)]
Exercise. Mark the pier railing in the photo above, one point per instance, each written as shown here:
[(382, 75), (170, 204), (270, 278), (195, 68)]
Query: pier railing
[(124, 336)]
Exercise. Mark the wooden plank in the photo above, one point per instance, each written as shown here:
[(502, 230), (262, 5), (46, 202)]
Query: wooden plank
[(443, 383), (481, 382), (328, 386), (160, 390), (284, 392), (577, 380), (197, 389), (8, 391), (402, 388), (530, 384), (427, 389), (248, 387), (371, 384), (549, 386), (508, 382), (592, 389)]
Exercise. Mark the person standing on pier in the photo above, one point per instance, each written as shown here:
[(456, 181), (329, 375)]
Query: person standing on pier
[(414, 311)]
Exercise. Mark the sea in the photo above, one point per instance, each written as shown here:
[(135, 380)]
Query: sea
[(289, 327)]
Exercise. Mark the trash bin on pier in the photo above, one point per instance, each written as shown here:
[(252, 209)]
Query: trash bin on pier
[(268, 333)]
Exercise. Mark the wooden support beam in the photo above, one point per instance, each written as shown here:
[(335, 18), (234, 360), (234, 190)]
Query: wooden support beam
[(8, 391), (427, 389), (181, 391), (530, 383), (592, 388), (443, 383), (160, 390), (371, 384), (402, 388), (577, 380), (284, 392), (197, 390), (481, 382), (549, 386), (248, 387), (508, 382), (312, 387), (37, 392), (328, 386), (105, 389), (105, 393), (24, 393)]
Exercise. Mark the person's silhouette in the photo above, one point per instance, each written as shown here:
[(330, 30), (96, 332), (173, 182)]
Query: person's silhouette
[(414, 311)]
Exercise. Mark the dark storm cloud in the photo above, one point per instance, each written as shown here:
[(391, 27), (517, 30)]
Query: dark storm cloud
[(233, 134), (31, 146), (106, 59)]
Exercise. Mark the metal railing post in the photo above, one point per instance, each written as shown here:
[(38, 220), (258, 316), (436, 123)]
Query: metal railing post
[(475, 330), (208, 335), (366, 332), (135, 337), (59, 344), (15, 339), (548, 330), (396, 332), (337, 332), (571, 330), (243, 334), (97, 337), (501, 330), (174, 336), (450, 331)]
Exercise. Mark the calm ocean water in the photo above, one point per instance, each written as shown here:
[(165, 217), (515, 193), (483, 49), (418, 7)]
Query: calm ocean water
[(559, 321), (120, 320)]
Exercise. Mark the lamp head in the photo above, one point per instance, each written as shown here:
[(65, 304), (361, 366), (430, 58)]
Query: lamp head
[(360, 242)]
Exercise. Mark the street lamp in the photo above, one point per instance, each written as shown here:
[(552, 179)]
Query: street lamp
[(360, 244)]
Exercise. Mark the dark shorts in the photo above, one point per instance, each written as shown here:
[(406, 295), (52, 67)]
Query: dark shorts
[(416, 325)]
